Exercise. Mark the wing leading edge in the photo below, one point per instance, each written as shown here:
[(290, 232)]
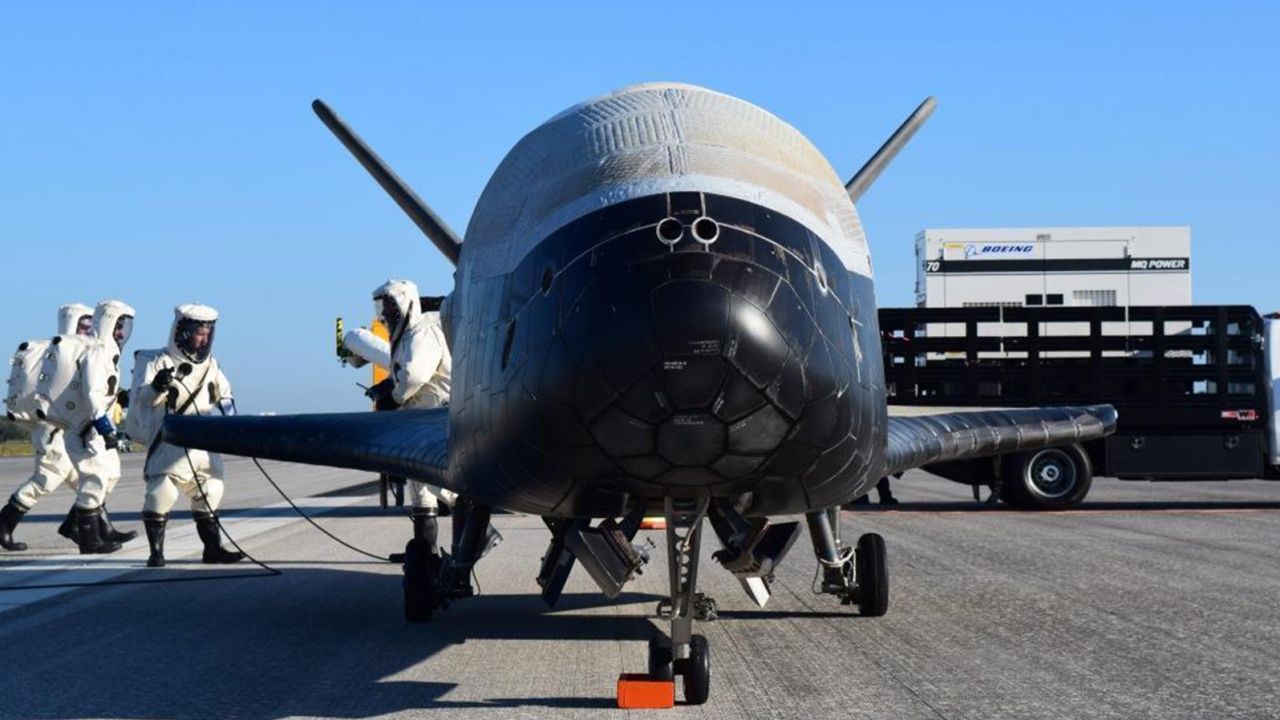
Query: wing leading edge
[(406, 443), (415, 443), (925, 439)]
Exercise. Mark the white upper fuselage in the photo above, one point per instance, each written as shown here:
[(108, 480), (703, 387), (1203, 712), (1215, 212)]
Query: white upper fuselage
[(650, 139)]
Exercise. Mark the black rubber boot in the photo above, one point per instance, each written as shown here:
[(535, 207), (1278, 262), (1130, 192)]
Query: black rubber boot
[(68, 527), (426, 527), (214, 553), (886, 495), (88, 533), (155, 524), (10, 516), (110, 532)]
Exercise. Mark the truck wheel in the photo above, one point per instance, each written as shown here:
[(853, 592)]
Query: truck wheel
[(1049, 479)]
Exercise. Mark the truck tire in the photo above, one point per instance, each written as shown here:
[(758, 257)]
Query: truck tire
[(1055, 478)]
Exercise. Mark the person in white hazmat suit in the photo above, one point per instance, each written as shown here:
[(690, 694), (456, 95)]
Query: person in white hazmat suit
[(52, 466), (419, 377), (91, 439), (184, 379), (363, 347)]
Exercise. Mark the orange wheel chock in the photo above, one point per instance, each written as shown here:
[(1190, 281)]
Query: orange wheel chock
[(638, 691)]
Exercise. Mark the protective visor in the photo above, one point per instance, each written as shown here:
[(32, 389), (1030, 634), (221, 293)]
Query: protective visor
[(389, 312), (123, 329), (194, 338)]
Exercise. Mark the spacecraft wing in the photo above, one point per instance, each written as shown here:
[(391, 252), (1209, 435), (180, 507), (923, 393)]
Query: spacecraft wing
[(406, 443), (925, 439)]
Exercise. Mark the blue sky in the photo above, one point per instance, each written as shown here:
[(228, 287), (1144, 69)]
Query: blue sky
[(164, 153)]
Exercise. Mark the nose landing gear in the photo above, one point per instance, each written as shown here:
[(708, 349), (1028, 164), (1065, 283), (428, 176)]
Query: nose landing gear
[(684, 653)]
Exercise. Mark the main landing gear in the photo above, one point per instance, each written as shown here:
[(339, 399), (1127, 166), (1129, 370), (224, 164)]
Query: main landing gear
[(856, 575), (432, 580)]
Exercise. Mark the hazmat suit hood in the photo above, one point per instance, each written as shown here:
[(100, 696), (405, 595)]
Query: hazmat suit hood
[(189, 318), (397, 303), (69, 317), (107, 316)]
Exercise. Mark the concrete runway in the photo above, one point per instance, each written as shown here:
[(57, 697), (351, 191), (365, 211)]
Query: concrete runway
[(1153, 601)]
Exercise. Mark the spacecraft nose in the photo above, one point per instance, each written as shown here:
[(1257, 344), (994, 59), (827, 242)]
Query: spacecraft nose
[(654, 354), (694, 368)]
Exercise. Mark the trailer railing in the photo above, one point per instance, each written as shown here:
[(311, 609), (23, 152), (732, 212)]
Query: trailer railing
[(1173, 365)]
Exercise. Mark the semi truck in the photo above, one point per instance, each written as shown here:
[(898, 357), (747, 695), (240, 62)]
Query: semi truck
[(1195, 388)]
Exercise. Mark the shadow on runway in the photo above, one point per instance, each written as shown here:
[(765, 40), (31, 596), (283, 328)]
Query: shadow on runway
[(556, 703), (1192, 506), (135, 516), (42, 561), (565, 703), (312, 642), (852, 614)]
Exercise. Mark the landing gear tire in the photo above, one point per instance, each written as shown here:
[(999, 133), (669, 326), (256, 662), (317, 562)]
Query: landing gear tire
[(872, 576), (421, 569), (696, 670), (1049, 479), (661, 665)]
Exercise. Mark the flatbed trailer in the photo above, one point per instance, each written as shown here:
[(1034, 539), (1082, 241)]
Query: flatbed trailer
[(1194, 387)]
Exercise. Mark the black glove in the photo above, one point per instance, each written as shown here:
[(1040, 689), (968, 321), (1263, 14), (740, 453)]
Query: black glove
[(122, 397), (111, 441), (162, 380), (380, 394), (380, 389)]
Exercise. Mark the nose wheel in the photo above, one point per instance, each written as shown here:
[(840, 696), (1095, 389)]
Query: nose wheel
[(696, 670), (661, 663)]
